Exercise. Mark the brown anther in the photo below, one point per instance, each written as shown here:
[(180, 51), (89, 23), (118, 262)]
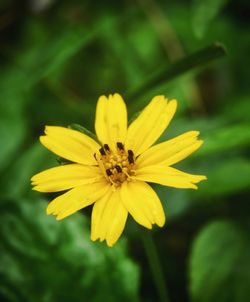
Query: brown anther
[(102, 151), (120, 146), (118, 169), (131, 156), (109, 172), (130, 152), (117, 165), (130, 160), (106, 147)]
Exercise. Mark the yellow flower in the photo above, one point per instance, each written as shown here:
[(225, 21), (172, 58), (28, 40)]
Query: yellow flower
[(112, 174)]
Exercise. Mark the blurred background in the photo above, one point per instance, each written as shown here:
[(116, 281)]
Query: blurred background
[(57, 58)]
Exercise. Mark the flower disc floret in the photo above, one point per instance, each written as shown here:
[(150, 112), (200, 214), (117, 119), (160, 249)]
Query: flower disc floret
[(116, 165)]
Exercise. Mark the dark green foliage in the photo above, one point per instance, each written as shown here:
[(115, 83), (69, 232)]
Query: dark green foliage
[(55, 61), (219, 268), (204, 13), (43, 260)]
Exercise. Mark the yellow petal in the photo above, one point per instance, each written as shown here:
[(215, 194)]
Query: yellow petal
[(168, 176), (70, 144), (150, 124), (111, 120), (76, 199), (171, 151), (108, 218), (65, 177), (142, 203), (97, 216)]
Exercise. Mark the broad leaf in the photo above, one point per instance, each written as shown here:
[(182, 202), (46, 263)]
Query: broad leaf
[(204, 11), (226, 177), (225, 139), (219, 265), (46, 260)]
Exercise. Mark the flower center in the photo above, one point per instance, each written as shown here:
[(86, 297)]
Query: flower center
[(117, 166)]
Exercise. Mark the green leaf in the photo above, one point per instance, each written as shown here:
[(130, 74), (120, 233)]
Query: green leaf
[(225, 139), (16, 180), (204, 11), (175, 202), (219, 265), (13, 126), (167, 73), (63, 161), (224, 178), (238, 109), (46, 260), (83, 130), (57, 46)]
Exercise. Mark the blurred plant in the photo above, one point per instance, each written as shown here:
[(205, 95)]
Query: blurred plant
[(53, 64), (55, 264), (220, 261)]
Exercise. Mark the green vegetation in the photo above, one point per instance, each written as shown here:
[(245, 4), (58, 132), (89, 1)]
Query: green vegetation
[(57, 58)]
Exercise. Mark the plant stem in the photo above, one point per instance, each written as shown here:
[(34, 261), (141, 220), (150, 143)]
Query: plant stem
[(155, 266)]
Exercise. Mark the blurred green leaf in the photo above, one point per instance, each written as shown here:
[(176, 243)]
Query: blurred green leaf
[(16, 181), (204, 11), (54, 65), (225, 139), (225, 177), (13, 126), (216, 132), (228, 176), (175, 202), (52, 48), (167, 73), (12, 133), (46, 260), (181, 124), (219, 264), (238, 109), (130, 63), (56, 48)]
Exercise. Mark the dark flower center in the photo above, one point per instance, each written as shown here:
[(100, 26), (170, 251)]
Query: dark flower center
[(117, 165)]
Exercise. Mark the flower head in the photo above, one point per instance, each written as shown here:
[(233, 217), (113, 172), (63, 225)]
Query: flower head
[(113, 173)]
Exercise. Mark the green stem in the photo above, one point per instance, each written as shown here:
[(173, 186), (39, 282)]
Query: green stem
[(155, 266)]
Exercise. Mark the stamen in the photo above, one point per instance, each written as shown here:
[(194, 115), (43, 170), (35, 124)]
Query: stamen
[(130, 160), (102, 151), (131, 156), (130, 152), (109, 172), (126, 173), (117, 165), (118, 169), (120, 146), (114, 185), (106, 147)]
